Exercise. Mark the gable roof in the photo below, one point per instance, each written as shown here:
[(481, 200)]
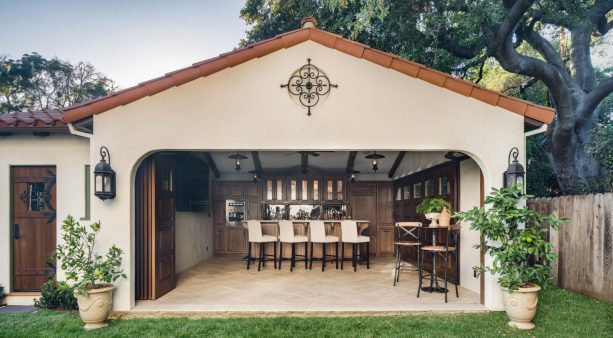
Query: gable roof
[(48, 120), (531, 111)]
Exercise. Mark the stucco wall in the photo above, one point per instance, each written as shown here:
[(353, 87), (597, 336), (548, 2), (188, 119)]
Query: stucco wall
[(193, 239), (244, 108), (69, 154), (469, 198)]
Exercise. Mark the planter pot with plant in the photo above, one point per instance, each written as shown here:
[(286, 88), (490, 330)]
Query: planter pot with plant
[(431, 208), (514, 236), (92, 274)]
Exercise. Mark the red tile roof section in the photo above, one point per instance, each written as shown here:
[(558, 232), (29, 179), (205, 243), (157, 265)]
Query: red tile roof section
[(48, 119), (289, 39)]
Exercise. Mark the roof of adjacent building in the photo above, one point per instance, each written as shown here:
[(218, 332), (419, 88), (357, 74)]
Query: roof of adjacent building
[(531, 111), (48, 120)]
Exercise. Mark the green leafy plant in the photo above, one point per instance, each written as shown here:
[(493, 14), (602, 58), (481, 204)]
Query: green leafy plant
[(57, 295), (429, 205), (1, 294), (83, 265), (513, 236)]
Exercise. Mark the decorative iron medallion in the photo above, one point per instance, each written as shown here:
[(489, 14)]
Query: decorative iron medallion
[(309, 84)]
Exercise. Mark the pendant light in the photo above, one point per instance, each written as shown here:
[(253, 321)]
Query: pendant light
[(237, 160), (375, 158)]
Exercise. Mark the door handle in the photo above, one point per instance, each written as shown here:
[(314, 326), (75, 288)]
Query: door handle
[(16, 232)]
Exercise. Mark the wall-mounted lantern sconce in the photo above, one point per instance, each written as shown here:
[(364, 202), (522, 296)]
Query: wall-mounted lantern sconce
[(237, 158), (514, 175), (255, 175), (375, 158), (104, 176)]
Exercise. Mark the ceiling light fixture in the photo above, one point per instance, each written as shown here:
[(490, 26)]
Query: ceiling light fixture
[(237, 158), (375, 158)]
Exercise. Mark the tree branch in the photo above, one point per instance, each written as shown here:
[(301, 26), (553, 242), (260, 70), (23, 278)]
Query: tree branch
[(598, 15), (586, 111), (464, 52), (541, 45)]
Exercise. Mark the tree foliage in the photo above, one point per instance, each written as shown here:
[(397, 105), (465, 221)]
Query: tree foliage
[(34, 82), (545, 44)]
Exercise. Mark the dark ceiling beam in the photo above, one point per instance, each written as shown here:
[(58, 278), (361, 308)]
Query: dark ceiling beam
[(396, 163), (304, 161), (257, 163), (351, 161), (212, 164)]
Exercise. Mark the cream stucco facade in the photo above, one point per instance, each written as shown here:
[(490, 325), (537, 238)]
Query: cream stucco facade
[(243, 107)]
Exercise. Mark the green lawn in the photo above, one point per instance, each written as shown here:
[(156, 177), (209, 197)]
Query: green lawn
[(561, 314)]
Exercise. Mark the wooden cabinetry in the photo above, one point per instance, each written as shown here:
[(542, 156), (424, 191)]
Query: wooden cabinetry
[(385, 235), (253, 210), (252, 190), (220, 190), (373, 201), (235, 190), (219, 240), (334, 190), (274, 189), (219, 212), (237, 239)]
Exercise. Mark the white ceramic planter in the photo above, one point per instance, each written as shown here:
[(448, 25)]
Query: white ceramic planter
[(433, 217), (520, 306), (94, 308)]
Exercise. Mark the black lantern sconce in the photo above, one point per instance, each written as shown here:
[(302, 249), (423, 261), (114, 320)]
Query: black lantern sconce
[(104, 176), (353, 175), (255, 175), (515, 173), (375, 160), (237, 158)]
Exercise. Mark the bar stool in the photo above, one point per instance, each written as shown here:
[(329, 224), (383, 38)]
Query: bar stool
[(407, 236), (349, 230), (286, 235), (444, 250), (317, 229), (255, 236)]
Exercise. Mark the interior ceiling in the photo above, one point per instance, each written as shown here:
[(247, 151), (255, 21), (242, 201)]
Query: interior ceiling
[(330, 161)]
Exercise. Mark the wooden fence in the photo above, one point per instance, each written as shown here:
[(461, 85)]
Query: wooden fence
[(583, 245)]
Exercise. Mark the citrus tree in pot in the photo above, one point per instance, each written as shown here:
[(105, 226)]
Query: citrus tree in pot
[(91, 274), (514, 236), (431, 208)]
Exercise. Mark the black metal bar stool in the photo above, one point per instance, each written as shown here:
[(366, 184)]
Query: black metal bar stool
[(407, 236), (442, 250)]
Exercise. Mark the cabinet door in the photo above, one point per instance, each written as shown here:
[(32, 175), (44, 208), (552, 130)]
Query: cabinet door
[(252, 190), (235, 190), (315, 190), (220, 190), (386, 239), (293, 189), (237, 239), (219, 212), (334, 190), (253, 210), (219, 240), (385, 204)]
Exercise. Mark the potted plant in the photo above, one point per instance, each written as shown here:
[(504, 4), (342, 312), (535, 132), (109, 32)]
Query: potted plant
[(92, 274), (513, 236), (431, 208)]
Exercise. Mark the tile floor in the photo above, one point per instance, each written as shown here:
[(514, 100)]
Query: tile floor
[(224, 285)]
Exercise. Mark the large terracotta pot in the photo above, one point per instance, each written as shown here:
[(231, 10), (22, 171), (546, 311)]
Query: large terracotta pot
[(96, 306), (520, 306)]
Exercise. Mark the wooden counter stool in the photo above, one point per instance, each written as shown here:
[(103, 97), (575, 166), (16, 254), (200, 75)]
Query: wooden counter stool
[(255, 236), (449, 247), (349, 233), (317, 229), (286, 235), (407, 236)]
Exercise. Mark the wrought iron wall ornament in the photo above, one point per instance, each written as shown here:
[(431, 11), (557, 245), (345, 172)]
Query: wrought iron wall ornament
[(309, 84)]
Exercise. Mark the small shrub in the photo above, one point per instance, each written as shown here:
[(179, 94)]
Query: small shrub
[(429, 205), (1, 294), (57, 296)]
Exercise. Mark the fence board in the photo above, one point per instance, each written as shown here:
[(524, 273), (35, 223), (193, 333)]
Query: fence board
[(583, 245)]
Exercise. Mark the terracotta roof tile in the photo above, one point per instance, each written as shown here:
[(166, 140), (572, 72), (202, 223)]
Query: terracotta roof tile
[(292, 38), (48, 119)]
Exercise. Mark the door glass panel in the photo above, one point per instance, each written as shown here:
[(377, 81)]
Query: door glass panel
[(35, 196), (429, 188), (304, 190), (407, 192), (339, 190), (269, 190), (293, 186), (316, 190), (279, 190), (398, 194), (417, 190), (443, 185), (329, 190)]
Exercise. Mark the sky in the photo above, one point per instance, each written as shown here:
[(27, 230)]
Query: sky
[(130, 41)]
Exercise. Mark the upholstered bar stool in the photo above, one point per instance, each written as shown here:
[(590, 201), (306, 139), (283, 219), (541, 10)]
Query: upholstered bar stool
[(255, 236), (317, 229), (286, 235), (443, 250), (349, 233), (407, 237)]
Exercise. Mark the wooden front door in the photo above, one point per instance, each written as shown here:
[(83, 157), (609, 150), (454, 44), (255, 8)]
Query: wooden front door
[(164, 229), (34, 225)]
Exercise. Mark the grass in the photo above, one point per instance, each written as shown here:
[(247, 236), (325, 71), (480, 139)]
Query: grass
[(561, 314)]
